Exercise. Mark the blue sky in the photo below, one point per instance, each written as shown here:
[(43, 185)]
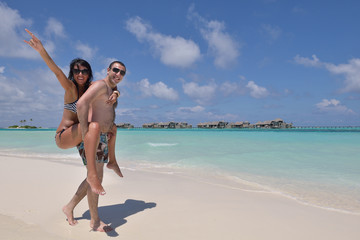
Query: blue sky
[(192, 61)]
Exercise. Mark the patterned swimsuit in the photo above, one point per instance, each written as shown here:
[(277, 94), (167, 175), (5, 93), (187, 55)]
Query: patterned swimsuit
[(71, 106)]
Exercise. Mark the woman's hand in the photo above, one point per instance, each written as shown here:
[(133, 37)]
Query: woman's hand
[(34, 42), (113, 97)]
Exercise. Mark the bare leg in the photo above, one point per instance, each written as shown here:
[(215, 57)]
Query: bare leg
[(111, 146), (93, 199), (91, 142), (70, 138), (68, 209)]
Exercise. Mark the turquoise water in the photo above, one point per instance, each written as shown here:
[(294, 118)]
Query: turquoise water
[(318, 167)]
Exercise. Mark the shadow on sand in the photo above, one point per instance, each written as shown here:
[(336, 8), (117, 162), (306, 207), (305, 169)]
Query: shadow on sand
[(116, 214)]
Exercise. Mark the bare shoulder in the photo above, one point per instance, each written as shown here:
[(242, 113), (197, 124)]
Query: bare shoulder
[(96, 89), (98, 85)]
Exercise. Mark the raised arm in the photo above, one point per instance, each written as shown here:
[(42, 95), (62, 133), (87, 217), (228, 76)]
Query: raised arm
[(36, 44)]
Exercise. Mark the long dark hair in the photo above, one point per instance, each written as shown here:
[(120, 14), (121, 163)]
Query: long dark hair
[(80, 62)]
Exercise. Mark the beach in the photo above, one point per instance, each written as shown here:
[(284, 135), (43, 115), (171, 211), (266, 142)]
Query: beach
[(154, 205), (188, 184)]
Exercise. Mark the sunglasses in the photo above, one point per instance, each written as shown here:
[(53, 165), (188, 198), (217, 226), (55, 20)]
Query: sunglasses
[(116, 70), (83, 72)]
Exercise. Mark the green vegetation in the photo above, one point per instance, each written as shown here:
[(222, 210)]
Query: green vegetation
[(23, 126), (26, 126)]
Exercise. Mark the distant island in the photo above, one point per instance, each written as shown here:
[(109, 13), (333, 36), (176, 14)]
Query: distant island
[(278, 123), (23, 126), (173, 125), (26, 126), (270, 124)]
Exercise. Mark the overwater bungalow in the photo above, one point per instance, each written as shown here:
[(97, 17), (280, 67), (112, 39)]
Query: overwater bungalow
[(167, 125), (124, 125), (149, 125), (216, 124), (277, 123), (241, 124), (183, 125), (269, 124)]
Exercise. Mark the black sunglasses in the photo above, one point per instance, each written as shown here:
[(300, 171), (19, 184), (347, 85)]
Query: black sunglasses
[(116, 70), (83, 72)]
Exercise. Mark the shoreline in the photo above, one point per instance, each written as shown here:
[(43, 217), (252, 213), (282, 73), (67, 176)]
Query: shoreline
[(162, 206), (216, 178)]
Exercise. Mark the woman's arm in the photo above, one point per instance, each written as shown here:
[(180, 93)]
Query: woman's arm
[(36, 44), (113, 97)]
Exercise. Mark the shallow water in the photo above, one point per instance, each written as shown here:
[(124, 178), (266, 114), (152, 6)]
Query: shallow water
[(319, 167)]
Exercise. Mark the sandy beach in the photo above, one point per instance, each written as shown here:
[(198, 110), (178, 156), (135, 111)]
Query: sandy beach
[(151, 205)]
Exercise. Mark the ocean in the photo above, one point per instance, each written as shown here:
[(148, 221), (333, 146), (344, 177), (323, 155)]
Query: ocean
[(317, 167)]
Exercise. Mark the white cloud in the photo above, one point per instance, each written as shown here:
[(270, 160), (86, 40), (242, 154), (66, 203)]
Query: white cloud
[(38, 95), (195, 109), (101, 74), (159, 90), (173, 51), (314, 62), (49, 46), (198, 113), (257, 91), (222, 117), (54, 27), (273, 32), (127, 111), (2, 69), (109, 60), (221, 44), (11, 42), (85, 50), (351, 70), (229, 88), (224, 48), (201, 94), (333, 106), (9, 92)]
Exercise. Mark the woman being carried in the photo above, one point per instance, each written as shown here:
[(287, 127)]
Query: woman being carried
[(68, 134)]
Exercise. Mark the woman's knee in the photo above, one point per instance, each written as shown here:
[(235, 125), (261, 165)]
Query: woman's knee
[(60, 144)]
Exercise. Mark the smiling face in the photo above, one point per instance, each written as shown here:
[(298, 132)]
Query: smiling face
[(116, 73), (78, 73), (81, 74)]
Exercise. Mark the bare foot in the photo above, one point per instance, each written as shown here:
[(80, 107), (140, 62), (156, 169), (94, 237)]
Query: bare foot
[(100, 227), (69, 216), (95, 185), (114, 166)]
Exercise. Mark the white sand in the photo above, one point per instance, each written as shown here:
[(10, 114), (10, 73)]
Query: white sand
[(146, 205)]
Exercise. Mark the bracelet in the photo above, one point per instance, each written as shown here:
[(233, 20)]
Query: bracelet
[(117, 93)]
